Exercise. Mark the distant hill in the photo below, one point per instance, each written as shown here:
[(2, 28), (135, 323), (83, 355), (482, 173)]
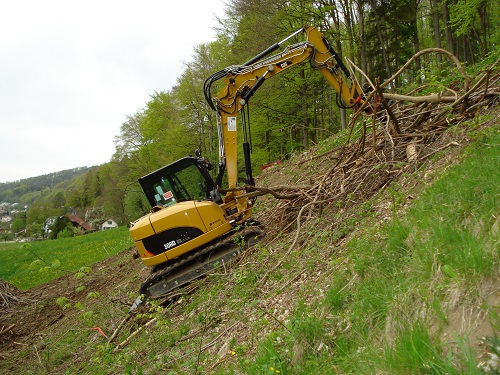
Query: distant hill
[(13, 191)]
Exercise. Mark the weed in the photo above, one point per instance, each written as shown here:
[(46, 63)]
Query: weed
[(454, 358), (412, 351), (63, 302), (335, 297), (81, 288), (267, 362), (82, 272), (93, 294)]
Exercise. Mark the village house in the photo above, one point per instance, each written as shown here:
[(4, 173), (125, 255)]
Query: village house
[(109, 224), (80, 223)]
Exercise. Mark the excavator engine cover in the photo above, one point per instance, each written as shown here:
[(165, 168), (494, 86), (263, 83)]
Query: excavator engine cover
[(172, 231)]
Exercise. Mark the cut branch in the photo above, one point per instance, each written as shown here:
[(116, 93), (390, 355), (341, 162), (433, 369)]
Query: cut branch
[(432, 98)]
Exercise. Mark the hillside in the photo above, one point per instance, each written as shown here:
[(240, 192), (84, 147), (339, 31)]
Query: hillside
[(349, 288), (381, 249), (13, 191)]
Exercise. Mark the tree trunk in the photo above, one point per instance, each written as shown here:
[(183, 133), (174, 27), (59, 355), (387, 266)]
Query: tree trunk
[(348, 22), (361, 36), (415, 39), (382, 40), (437, 30), (303, 105), (483, 21), (447, 29)]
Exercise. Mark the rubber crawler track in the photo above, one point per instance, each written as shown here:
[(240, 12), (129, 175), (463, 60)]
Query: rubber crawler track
[(159, 276)]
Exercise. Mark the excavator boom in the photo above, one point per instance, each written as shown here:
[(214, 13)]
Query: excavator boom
[(240, 82)]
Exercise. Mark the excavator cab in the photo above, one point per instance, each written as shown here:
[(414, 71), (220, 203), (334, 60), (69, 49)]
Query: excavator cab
[(186, 179)]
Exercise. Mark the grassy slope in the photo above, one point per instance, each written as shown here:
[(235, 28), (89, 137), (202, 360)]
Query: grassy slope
[(401, 291), (408, 286), (32, 264)]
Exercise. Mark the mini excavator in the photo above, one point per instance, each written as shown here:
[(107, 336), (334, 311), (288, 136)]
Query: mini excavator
[(193, 227)]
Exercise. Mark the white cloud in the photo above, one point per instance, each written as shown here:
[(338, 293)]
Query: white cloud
[(70, 73)]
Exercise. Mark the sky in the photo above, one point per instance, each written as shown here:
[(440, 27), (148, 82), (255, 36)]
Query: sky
[(72, 70)]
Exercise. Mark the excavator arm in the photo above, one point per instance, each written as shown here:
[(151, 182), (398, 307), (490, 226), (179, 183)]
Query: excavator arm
[(242, 81)]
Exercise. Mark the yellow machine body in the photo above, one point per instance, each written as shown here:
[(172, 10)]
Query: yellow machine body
[(173, 231)]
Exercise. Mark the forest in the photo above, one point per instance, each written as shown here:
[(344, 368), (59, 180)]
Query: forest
[(291, 112)]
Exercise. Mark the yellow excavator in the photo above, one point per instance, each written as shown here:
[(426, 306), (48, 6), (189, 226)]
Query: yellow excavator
[(192, 227)]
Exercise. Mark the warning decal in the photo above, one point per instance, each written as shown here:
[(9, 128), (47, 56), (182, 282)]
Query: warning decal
[(231, 124)]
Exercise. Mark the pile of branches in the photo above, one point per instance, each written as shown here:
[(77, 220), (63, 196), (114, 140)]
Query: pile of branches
[(10, 296), (399, 132)]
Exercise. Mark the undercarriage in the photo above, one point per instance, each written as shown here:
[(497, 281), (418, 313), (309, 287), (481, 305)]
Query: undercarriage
[(196, 264)]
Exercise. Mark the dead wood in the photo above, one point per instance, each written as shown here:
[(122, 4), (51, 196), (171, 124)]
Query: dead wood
[(205, 346), (5, 330), (135, 333), (278, 192), (387, 107), (11, 296), (402, 131), (451, 56), (431, 98)]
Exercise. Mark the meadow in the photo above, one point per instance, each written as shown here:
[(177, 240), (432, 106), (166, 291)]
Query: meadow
[(29, 264)]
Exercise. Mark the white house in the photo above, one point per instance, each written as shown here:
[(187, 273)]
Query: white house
[(6, 219), (47, 226), (109, 224)]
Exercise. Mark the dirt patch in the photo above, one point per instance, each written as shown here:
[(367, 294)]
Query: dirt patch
[(474, 319), (29, 316)]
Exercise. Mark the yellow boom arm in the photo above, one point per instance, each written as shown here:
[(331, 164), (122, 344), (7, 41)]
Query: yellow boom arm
[(241, 81)]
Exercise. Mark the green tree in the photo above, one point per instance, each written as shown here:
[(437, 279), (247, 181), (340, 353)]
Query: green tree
[(58, 199), (110, 200), (62, 222), (18, 225), (195, 114), (476, 26)]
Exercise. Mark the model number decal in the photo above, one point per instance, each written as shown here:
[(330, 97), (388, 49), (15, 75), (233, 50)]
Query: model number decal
[(172, 243), (283, 64), (169, 245)]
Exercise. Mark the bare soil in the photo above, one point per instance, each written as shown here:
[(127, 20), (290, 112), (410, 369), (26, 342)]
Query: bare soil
[(27, 318)]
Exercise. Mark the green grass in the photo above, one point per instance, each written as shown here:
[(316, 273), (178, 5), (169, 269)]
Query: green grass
[(31, 264), (389, 320)]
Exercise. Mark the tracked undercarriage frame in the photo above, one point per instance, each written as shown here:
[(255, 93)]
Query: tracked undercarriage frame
[(198, 263)]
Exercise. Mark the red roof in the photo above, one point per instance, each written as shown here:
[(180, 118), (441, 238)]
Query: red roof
[(78, 220)]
